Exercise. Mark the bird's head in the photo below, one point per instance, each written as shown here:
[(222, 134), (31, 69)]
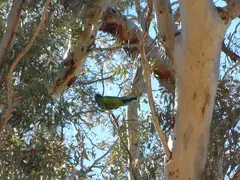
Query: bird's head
[(98, 96)]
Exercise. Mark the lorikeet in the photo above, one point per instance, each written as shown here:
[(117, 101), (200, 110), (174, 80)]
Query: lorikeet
[(111, 102)]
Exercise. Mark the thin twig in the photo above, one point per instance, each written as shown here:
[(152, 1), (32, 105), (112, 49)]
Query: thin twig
[(230, 69), (100, 158), (18, 58), (87, 82), (124, 145), (148, 82), (102, 81), (114, 47), (120, 136), (233, 56), (33, 150), (83, 172), (226, 48)]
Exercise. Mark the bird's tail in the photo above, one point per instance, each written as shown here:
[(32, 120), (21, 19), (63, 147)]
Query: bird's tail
[(127, 100)]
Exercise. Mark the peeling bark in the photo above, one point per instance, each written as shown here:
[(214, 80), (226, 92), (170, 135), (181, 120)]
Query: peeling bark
[(91, 14), (127, 33)]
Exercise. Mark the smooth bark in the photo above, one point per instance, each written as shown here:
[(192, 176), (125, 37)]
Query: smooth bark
[(196, 54), (91, 15), (133, 126), (10, 33)]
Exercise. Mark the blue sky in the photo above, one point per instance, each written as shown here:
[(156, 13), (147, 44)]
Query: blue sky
[(104, 133)]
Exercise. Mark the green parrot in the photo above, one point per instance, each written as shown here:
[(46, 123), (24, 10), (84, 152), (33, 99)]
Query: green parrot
[(111, 102)]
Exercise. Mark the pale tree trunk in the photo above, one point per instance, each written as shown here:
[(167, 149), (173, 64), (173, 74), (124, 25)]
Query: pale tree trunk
[(133, 126), (196, 62), (133, 141)]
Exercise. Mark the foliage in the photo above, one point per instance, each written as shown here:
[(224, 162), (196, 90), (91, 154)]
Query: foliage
[(64, 137)]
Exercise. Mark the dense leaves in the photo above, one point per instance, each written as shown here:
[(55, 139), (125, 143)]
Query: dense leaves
[(70, 137)]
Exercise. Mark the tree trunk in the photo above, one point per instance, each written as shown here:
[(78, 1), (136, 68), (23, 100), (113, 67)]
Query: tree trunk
[(196, 62), (133, 141), (133, 126)]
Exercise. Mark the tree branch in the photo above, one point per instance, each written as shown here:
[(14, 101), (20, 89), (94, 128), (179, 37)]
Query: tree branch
[(114, 47), (115, 120), (230, 69), (133, 124), (236, 175), (127, 33), (83, 172), (91, 15), (149, 88), (104, 155), (232, 10), (12, 24), (94, 81), (234, 57), (16, 61), (166, 26)]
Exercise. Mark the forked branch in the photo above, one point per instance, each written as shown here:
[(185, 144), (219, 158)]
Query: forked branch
[(232, 10)]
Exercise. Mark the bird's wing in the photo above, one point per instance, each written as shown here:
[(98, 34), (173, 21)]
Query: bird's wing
[(111, 102)]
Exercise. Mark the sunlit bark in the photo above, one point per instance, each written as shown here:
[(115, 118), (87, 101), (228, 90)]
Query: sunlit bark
[(196, 63), (91, 15)]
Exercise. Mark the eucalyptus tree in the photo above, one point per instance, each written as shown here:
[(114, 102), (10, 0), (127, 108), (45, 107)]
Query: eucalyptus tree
[(181, 59)]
